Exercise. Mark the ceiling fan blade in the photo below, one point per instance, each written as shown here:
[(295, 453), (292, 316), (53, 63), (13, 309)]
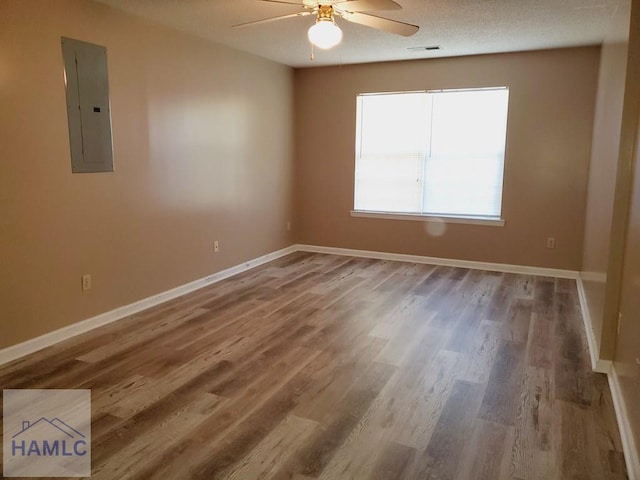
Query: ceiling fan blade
[(299, 4), (391, 26), (273, 19), (367, 5)]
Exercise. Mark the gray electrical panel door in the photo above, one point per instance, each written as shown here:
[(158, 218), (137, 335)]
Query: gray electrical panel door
[(87, 84)]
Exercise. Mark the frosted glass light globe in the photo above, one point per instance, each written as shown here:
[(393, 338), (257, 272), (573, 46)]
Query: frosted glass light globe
[(325, 34)]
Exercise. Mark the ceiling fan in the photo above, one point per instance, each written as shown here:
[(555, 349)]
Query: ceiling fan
[(325, 33)]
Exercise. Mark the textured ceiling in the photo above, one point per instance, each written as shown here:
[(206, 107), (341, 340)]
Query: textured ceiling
[(459, 27)]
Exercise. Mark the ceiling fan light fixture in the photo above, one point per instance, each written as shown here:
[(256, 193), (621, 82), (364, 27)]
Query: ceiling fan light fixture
[(325, 34)]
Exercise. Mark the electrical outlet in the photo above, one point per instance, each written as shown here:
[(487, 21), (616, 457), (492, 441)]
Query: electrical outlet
[(216, 246), (86, 282), (551, 242)]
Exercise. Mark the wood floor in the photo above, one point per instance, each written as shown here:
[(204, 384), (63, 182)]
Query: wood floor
[(327, 367)]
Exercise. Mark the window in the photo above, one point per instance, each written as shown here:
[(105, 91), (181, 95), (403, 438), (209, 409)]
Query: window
[(437, 153)]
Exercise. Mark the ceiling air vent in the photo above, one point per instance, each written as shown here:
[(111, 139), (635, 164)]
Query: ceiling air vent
[(422, 49)]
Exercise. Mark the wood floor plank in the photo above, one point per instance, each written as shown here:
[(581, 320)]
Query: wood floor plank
[(540, 338), (532, 455), (504, 387), (333, 375), (414, 403), (393, 462), (245, 421), (413, 319), (315, 454), (353, 460), (146, 420), (402, 415), (331, 367), (501, 298), (442, 456), (571, 363), (477, 363), (516, 325), (162, 434), (486, 454), (577, 455), (465, 332), (543, 295), (171, 323), (274, 450)]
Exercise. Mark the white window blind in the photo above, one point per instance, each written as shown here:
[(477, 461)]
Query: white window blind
[(434, 153)]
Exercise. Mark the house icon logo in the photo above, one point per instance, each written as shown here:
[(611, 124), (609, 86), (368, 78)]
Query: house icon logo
[(46, 437), (46, 433)]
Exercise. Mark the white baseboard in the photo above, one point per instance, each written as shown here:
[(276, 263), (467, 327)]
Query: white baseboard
[(628, 442), (631, 454), (448, 262), (593, 277), (16, 351), (602, 366), (597, 364)]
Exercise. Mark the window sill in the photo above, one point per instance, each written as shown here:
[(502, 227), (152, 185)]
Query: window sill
[(419, 217)]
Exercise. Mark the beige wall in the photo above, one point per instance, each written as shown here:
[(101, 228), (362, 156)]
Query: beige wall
[(604, 155), (627, 350), (602, 168), (202, 147), (552, 101)]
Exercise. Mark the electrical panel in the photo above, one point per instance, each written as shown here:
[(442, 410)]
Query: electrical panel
[(88, 108)]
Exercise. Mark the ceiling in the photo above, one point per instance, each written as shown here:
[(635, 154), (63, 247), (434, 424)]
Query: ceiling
[(459, 27)]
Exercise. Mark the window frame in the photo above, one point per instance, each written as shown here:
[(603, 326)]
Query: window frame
[(469, 219)]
